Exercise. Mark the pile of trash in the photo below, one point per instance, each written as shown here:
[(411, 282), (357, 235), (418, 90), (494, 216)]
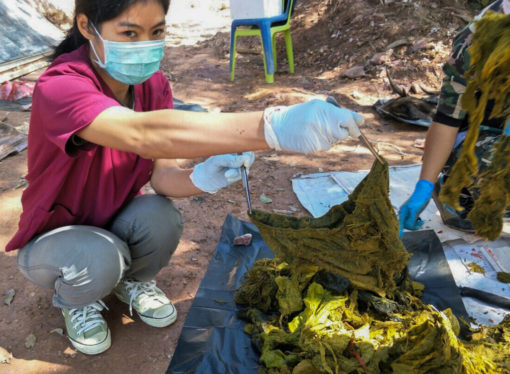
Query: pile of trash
[(337, 298)]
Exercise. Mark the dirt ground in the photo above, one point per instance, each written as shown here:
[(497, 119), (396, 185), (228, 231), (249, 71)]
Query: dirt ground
[(330, 37)]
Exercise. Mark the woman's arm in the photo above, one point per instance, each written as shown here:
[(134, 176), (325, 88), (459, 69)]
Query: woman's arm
[(171, 134), (169, 179), (438, 146)]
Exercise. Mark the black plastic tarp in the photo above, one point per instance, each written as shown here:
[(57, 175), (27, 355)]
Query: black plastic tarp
[(213, 341)]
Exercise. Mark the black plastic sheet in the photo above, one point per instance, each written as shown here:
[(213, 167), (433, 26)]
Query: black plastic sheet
[(388, 109), (213, 340)]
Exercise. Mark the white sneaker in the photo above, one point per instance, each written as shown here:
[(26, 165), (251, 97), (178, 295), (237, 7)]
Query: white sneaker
[(86, 328), (149, 301)]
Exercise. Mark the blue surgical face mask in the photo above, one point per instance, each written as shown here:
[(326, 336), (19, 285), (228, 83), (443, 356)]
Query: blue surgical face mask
[(130, 62)]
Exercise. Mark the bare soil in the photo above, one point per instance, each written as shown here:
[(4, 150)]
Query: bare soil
[(329, 38)]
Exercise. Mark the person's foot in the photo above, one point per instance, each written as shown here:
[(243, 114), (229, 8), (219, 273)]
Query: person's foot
[(149, 301), (86, 328)]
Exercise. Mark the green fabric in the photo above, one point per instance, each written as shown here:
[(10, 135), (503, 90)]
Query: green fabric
[(358, 239)]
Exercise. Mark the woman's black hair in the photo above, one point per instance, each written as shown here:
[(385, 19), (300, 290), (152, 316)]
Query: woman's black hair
[(97, 11)]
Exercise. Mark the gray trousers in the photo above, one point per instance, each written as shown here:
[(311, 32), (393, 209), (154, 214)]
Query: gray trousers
[(84, 263)]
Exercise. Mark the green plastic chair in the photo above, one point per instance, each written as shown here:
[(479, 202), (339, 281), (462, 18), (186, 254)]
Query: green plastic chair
[(265, 29)]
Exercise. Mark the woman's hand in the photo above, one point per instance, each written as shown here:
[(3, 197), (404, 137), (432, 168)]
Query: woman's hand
[(309, 127), (219, 171)]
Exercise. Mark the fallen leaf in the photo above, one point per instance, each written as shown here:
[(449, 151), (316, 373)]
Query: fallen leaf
[(354, 72), (265, 199), (283, 211), (272, 158), (422, 44), (126, 320), (381, 57), (30, 341), (397, 43), (9, 296), (5, 356), (58, 331), (69, 352)]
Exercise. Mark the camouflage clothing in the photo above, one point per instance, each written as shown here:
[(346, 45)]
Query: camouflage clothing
[(449, 110), (484, 151)]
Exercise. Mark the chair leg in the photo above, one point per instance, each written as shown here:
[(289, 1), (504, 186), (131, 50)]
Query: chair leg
[(233, 43), (290, 53), (268, 52), (263, 54), (273, 46)]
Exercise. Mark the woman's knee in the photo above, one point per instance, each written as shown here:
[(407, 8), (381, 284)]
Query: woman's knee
[(150, 219), (82, 263)]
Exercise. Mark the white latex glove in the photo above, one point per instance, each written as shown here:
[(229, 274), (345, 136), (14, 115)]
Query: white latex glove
[(309, 127), (219, 171)]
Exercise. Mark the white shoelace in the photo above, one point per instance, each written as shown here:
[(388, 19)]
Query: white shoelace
[(146, 291), (88, 317)]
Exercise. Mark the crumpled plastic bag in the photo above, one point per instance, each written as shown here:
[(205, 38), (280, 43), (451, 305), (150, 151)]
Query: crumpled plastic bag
[(15, 90)]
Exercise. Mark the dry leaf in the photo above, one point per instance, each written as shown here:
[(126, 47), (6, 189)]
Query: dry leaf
[(265, 199), (126, 320), (9, 296), (381, 57), (283, 211), (70, 352), (57, 331), (397, 43), (30, 341), (354, 72)]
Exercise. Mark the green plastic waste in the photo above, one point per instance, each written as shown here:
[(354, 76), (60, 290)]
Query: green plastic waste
[(336, 298)]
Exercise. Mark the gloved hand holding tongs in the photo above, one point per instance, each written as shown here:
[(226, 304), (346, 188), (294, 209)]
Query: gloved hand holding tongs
[(361, 136)]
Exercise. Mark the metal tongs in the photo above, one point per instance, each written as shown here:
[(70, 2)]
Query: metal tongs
[(361, 136), (244, 177)]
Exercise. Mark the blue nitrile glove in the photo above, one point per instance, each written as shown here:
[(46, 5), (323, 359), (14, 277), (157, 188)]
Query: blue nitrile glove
[(219, 171), (410, 211), (309, 127), (506, 130)]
